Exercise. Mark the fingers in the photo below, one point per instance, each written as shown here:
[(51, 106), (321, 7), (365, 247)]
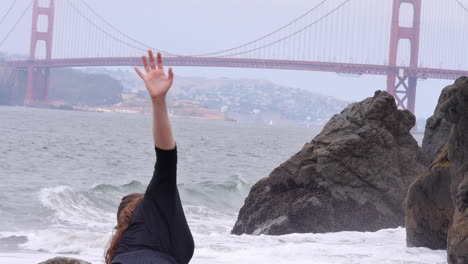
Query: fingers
[(152, 64), (145, 64), (171, 74), (139, 72), (151, 57), (160, 64)]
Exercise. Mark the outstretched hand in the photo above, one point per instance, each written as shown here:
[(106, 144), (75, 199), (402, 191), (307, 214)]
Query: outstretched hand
[(156, 81)]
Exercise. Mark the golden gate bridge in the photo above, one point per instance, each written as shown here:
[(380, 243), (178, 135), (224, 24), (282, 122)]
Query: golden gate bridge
[(340, 36)]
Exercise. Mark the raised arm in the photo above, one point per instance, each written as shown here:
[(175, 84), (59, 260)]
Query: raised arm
[(161, 204), (158, 84)]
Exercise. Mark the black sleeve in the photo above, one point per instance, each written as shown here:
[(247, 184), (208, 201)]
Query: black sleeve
[(162, 192), (162, 189), (165, 169)]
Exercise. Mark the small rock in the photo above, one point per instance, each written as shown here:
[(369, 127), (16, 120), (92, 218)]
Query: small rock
[(63, 260)]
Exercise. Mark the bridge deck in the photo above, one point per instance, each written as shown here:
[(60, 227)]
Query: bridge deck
[(346, 68)]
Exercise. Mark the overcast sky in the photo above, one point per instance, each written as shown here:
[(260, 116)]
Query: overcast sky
[(192, 26)]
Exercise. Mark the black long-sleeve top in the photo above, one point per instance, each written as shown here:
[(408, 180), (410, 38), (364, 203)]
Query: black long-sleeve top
[(159, 222)]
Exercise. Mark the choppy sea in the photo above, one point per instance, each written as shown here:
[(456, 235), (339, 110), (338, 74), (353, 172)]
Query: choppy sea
[(63, 173)]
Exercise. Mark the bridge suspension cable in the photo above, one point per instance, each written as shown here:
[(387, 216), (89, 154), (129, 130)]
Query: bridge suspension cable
[(8, 11), (267, 35), (197, 55), (123, 34), (91, 35), (102, 30), (294, 33), (142, 47), (462, 5), (17, 22)]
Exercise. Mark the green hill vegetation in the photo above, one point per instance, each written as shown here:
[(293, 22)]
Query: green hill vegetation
[(78, 88), (70, 86)]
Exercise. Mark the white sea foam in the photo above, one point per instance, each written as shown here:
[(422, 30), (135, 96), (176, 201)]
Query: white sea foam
[(65, 241), (385, 246), (82, 229), (78, 225), (74, 209), (36, 257)]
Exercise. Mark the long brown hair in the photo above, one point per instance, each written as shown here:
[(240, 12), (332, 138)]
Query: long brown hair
[(124, 218)]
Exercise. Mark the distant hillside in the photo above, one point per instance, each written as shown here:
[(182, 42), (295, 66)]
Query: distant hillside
[(257, 100), (244, 99)]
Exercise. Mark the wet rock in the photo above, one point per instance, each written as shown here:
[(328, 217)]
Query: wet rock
[(437, 129), (457, 252), (353, 176), (429, 207), (63, 260)]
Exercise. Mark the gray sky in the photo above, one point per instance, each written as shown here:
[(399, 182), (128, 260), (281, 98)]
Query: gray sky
[(193, 26)]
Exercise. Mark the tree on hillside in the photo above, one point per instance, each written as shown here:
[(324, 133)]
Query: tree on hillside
[(7, 82), (76, 87)]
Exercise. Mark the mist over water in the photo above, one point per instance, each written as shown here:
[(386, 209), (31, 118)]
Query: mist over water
[(63, 173)]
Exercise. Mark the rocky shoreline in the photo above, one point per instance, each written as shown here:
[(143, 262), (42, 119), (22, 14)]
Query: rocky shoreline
[(365, 172)]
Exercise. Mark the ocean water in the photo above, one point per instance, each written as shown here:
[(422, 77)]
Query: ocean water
[(63, 173)]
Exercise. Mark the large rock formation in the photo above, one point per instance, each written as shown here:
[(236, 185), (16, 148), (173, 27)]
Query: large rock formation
[(456, 112), (62, 260), (436, 205), (352, 176)]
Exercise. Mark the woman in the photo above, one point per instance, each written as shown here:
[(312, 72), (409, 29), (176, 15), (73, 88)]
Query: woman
[(151, 227)]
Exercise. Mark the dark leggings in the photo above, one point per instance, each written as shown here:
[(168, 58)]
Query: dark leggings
[(143, 256)]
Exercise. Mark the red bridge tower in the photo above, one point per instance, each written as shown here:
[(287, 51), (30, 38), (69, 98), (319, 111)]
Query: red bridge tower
[(39, 78), (405, 90)]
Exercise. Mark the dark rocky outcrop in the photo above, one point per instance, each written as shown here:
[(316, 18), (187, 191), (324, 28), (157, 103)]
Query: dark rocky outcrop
[(429, 207), (62, 260), (353, 176), (456, 112), (437, 202)]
